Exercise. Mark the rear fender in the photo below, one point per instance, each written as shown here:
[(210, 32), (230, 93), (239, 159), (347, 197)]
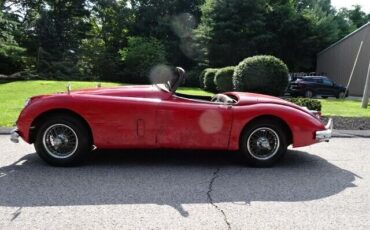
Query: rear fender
[(301, 124)]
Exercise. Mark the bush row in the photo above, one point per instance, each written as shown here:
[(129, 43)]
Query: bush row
[(258, 74), (311, 104)]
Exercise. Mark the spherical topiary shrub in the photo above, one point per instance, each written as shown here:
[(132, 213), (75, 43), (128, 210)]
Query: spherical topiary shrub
[(224, 79), (209, 80), (261, 74)]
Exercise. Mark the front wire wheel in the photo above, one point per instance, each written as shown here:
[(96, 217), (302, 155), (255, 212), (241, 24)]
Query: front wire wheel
[(63, 141), (60, 141), (263, 142)]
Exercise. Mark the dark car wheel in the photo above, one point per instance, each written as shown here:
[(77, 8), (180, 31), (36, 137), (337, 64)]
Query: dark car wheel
[(341, 95), (308, 93), (263, 143), (63, 141)]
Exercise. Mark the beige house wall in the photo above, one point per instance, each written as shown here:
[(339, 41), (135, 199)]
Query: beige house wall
[(337, 60)]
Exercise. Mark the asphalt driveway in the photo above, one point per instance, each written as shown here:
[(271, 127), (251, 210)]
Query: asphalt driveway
[(322, 186)]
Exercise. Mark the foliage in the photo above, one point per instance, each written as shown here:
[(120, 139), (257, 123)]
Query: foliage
[(192, 79), (311, 104), (80, 39), (141, 55), (58, 32), (11, 54), (261, 74), (224, 79), (201, 78), (230, 30), (209, 80)]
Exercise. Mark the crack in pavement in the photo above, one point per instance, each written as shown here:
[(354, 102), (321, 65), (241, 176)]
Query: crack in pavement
[(16, 214), (210, 199)]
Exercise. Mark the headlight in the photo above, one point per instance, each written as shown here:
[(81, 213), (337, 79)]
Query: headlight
[(27, 102)]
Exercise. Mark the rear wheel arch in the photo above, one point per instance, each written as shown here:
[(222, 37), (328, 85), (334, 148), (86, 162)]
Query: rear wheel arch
[(38, 121), (264, 141), (287, 130)]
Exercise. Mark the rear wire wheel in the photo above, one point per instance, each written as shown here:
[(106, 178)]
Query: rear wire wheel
[(263, 143)]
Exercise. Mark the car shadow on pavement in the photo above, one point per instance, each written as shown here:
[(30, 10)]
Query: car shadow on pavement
[(171, 178)]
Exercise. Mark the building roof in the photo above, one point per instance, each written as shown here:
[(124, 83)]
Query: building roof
[(345, 38)]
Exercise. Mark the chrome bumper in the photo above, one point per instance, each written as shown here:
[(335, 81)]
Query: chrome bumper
[(14, 135), (326, 134)]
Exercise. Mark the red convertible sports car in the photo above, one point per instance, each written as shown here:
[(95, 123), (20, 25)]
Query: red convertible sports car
[(65, 127)]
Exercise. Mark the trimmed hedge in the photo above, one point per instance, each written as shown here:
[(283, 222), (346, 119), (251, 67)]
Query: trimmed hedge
[(261, 74), (201, 78), (224, 79), (311, 104), (209, 80)]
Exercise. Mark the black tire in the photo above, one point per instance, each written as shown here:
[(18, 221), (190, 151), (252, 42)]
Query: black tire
[(341, 95), (263, 126), (78, 134), (325, 97), (309, 93)]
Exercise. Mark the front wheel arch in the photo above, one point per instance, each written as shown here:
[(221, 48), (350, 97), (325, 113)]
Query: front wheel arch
[(37, 122)]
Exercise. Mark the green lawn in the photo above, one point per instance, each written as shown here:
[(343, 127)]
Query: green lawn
[(345, 108), (13, 95)]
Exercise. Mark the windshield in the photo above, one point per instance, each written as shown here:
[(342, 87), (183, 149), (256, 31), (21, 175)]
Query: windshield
[(164, 86), (168, 81)]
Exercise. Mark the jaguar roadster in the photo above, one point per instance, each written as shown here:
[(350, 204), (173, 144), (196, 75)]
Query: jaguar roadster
[(66, 127)]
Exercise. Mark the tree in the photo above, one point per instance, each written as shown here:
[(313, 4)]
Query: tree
[(12, 57), (141, 56), (230, 30), (110, 26), (59, 31), (157, 19), (357, 16)]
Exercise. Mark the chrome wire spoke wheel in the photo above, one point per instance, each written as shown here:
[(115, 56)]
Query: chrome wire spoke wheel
[(263, 143), (60, 141)]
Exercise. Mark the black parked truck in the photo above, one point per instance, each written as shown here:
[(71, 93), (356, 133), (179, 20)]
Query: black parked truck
[(310, 86)]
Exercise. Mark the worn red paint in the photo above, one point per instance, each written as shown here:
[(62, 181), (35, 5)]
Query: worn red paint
[(148, 117)]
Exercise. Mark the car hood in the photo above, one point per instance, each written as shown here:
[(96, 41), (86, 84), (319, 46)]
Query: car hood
[(254, 98)]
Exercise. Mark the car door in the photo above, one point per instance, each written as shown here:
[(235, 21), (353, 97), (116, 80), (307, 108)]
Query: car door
[(319, 86), (328, 87), (125, 122), (190, 124)]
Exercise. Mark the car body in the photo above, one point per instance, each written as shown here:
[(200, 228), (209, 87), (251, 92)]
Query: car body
[(310, 86), (155, 116)]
